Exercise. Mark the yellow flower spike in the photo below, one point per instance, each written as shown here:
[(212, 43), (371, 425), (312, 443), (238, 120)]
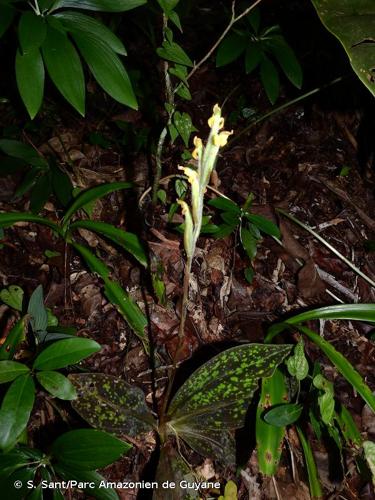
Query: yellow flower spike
[(221, 139), (216, 120), (193, 179)]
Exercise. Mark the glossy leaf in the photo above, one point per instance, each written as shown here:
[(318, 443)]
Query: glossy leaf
[(171, 51), (87, 477), (111, 404), (270, 79), (32, 31), (57, 385), (230, 49), (253, 57), (65, 68), (265, 225), (215, 398), (289, 64), (37, 311), (13, 339), (64, 353), (12, 297), (248, 242), (76, 22), (30, 67), (225, 204), (106, 67), (88, 449), (9, 370), (15, 410), (352, 22), (9, 218), (312, 471), (93, 194), (283, 414), (117, 295), (99, 5), (129, 241), (24, 152), (269, 437)]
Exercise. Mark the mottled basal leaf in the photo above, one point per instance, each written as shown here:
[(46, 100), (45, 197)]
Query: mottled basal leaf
[(216, 397), (110, 404), (172, 467), (352, 22)]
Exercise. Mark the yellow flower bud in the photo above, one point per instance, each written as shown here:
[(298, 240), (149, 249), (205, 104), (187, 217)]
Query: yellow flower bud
[(188, 232), (198, 148), (221, 139), (216, 122)]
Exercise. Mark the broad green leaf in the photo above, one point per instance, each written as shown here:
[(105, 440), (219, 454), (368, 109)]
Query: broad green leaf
[(265, 225), (171, 51), (184, 92), (24, 152), (230, 218), (215, 398), (87, 477), (117, 295), (283, 414), (270, 79), (248, 242), (312, 471), (65, 68), (326, 400), (184, 126), (64, 353), (40, 192), (111, 404), (12, 297), (7, 13), (88, 449), (289, 64), (180, 72), (129, 241), (106, 67), (15, 410), (230, 49), (10, 218), (37, 311), (30, 67), (57, 385), (9, 370), (297, 364), (62, 185), (269, 438), (369, 449), (352, 22), (253, 57), (75, 22), (13, 339), (32, 31), (225, 204), (91, 195), (99, 5)]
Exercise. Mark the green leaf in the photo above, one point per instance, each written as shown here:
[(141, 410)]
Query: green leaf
[(284, 414), (57, 385), (171, 51), (369, 449), (225, 204), (91, 195), (75, 22), (269, 437), (215, 398), (12, 297), (9, 218), (230, 49), (87, 478), (99, 5), (13, 339), (249, 274), (65, 68), (349, 428), (270, 79), (106, 67), (352, 22), (184, 126), (62, 185), (88, 449), (288, 62), (7, 13), (15, 410), (297, 364), (40, 193), (37, 311), (24, 152), (111, 404), (326, 400), (9, 370), (64, 353), (30, 67), (230, 218), (32, 31), (129, 241), (184, 92), (312, 471), (265, 225), (248, 242), (117, 295)]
